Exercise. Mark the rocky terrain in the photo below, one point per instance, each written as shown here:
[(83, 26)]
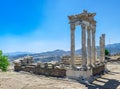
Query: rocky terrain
[(24, 80)]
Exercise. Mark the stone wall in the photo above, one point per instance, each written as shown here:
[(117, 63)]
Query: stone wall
[(54, 72), (17, 68), (66, 60), (98, 70), (50, 72)]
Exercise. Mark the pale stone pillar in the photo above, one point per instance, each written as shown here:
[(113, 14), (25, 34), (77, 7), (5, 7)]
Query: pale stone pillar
[(95, 55), (72, 26), (103, 48), (100, 57), (84, 55), (93, 45), (89, 61)]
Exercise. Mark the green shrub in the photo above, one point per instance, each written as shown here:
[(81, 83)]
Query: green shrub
[(107, 52), (4, 63)]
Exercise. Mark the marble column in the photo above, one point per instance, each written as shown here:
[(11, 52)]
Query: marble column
[(72, 26), (89, 61), (84, 55), (95, 55), (93, 45), (103, 48), (100, 57)]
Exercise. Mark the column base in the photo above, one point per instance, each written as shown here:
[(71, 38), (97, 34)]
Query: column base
[(73, 67), (85, 68), (102, 63), (94, 65), (86, 75)]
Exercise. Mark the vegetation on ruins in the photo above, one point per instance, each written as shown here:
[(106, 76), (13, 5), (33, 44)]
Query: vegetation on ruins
[(4, 63)]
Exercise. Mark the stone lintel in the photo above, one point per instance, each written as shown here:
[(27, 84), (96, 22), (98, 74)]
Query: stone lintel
[(83, 16)]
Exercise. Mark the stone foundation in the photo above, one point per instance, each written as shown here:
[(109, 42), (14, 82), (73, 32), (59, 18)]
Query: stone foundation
[(98, 70), (51, 72), (85, 75), (78, 74), (42, 71), (17, 68)]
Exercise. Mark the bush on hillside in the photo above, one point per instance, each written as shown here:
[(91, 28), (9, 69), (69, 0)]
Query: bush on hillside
[(4, 63)]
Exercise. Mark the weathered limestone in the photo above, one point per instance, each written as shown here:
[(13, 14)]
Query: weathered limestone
[(100, 43), (93, 45), (88, 27), (87, 22), (95, 56), (72, 44), (89, 46), (77, 75), (103, 48), (66, 60), (84, 55)]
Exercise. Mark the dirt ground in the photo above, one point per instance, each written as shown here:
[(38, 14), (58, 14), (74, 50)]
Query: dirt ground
[(24, 80)]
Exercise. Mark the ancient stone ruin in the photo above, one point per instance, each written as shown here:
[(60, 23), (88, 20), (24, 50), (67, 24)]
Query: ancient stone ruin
[(89, 66), (48, 69), (82, 70)]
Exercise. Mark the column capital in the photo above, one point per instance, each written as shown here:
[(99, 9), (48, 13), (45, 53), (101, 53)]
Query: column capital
[(72, 26), (100, 39), (93, 27), (89, 28), (103, 35), (84, 25)]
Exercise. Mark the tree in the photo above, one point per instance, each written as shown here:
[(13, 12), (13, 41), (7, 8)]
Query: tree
[(107, 52), (4, 63)]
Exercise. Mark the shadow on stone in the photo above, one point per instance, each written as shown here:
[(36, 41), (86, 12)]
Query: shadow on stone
[(113, 73), (110, 84)]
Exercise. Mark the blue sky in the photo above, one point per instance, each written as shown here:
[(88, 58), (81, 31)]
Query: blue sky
[(42, 25)]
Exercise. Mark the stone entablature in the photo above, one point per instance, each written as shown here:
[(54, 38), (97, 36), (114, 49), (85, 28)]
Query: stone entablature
[(85, 16)]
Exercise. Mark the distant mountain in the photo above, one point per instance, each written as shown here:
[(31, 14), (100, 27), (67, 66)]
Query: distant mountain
[(50, 55), (57, 54), (113, 48), (17, 53)]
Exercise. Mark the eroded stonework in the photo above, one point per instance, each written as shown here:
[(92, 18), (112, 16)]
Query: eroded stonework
[(89, 65)]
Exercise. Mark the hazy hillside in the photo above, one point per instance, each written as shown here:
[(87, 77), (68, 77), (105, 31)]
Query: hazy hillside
[(113, 48), (57, 54)]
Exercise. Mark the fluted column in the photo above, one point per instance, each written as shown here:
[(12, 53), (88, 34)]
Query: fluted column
[(89, 61), (72, 26), (84, 55), (93, 45)]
